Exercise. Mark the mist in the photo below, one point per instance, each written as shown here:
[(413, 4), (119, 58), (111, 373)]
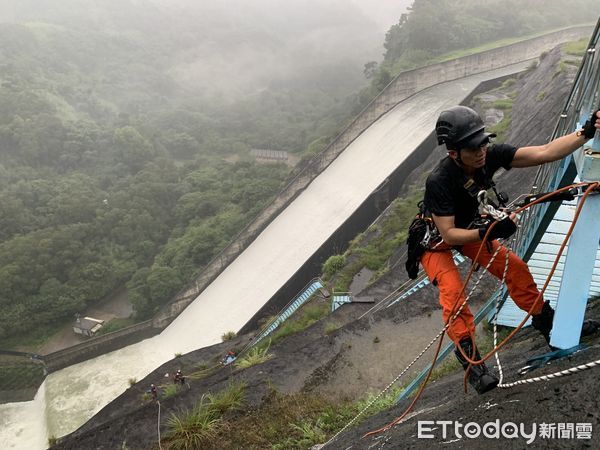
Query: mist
[(232, 47)]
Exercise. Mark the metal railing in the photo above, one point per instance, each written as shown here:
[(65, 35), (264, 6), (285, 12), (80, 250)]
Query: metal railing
[(582, 100)]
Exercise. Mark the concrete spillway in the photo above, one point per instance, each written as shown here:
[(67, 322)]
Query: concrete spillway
[(76, 393)]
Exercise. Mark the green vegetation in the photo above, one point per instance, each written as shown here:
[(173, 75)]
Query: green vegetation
[(200, 427), (228, 336), (256, 355), (332, 265), (501, 128), (115, 325), (303, 318), (169, 390), (24, 375), (439, 30), (331, 327), (295, 421), (575, 48), (374, 248), (120, 174)]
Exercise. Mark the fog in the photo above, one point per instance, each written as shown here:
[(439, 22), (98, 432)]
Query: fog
[(232, 46)]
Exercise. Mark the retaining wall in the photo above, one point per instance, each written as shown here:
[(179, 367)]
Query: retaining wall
[(99, 345)]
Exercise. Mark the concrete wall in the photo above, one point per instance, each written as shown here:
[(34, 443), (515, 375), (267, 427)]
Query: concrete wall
[(99, 345)]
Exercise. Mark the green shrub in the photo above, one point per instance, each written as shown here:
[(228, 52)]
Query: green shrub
[(200, 427), (255, 356), (576, 48), (115, 325), (508, 83), (228, 336), (230, 399), (170, 390), (197, 428), (331, 327), (333, 264)]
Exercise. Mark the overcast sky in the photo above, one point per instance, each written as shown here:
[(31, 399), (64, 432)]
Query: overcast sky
[(255, 41)]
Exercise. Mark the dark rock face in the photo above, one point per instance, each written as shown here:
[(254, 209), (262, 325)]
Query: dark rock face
[(366, 354)]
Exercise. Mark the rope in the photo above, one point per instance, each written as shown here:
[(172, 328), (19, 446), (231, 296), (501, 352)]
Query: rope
[(158, 425), (551, 376)]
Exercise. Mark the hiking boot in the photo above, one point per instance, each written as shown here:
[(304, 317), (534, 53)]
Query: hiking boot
[(543, 322), (589, 327), (480, 377)]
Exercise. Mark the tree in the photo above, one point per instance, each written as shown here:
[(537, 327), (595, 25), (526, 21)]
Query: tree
[(370, 69), (132, 148)]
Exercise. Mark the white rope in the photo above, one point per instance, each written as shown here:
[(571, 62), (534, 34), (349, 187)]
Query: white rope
[(158, 425), (548, 377), (551, 376), (495, 318), (441, 333)]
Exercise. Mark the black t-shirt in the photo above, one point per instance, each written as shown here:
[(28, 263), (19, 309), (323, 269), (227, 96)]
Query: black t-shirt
[(445, 194)]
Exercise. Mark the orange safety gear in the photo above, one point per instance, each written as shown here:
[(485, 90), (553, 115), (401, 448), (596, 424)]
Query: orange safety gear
[(442, 272)]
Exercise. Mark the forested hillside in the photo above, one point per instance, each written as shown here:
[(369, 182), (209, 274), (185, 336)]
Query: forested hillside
[(431, 30), (125, 157)]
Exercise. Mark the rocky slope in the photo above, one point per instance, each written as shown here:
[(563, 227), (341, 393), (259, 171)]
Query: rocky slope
[(344, 356)]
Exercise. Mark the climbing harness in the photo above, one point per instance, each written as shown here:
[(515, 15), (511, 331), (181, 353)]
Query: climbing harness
[(422, 232)]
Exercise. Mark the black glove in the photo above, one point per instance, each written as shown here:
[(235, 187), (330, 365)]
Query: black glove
[(503, 229), (589, 130)]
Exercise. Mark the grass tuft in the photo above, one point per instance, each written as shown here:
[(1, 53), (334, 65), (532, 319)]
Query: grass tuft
[(256, 355)]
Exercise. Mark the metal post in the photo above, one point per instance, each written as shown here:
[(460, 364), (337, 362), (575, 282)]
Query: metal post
[(577, 276), (581, 257)]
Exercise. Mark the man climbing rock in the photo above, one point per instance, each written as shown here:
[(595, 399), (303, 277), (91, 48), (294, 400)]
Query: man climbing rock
[(451, 202), (178, 378)]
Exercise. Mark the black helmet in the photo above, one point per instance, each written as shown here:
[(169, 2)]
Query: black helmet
[(461, 127)]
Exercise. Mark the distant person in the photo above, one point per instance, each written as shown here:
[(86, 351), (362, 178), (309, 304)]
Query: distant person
[(229, 358), (178, 378), (451, 204), (154, 392)]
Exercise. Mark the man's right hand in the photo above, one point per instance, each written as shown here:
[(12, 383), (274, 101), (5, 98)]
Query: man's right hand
[(502, 230)]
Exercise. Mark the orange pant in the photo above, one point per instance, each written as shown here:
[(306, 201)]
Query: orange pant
[(442, 271)]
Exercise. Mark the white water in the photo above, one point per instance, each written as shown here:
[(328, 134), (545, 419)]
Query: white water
[(23, 425), (76, 393)]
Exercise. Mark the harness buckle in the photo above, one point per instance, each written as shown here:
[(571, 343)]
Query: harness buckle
[(488, 207)]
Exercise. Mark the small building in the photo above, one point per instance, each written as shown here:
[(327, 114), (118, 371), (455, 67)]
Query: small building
[(88, 326), (265, 155)]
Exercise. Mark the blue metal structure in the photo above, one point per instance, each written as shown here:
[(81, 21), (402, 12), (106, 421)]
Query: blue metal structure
[(545, 226), (339, 299), (314, 285), (421, 282)]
